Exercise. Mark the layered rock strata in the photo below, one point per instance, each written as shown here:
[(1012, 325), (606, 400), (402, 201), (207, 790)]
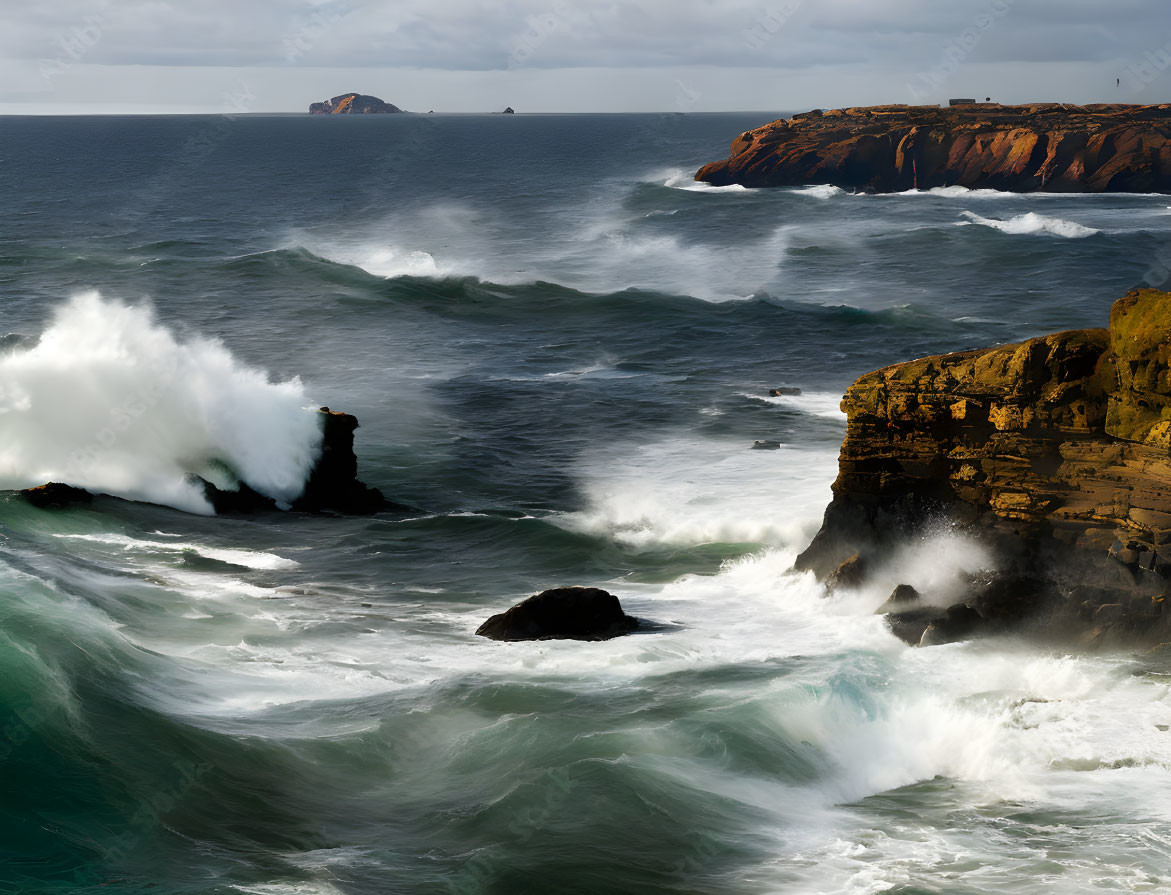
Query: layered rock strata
[(1056, 452), (1042, 146)]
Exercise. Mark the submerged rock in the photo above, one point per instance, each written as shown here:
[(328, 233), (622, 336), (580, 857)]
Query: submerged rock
[(1041, 146), (1054, 453), (783, 392), (564, 613), (55, 495)]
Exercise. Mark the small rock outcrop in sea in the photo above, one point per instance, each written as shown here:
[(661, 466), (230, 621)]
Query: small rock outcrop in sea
[(333, 484), (1055, 453), (1042, 146), (55, 495), (352, 104), (564, 613)]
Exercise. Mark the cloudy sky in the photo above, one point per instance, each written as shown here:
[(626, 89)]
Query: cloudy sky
[(553, 55)]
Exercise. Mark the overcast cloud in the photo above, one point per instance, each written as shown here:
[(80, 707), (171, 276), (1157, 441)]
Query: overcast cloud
[(552, 55)]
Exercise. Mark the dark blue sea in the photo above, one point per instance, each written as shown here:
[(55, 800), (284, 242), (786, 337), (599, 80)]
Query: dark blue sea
[(560, 349)]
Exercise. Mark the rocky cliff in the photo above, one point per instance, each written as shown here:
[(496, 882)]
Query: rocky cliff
[(1043, 146), (1056, 452), (352, 104)]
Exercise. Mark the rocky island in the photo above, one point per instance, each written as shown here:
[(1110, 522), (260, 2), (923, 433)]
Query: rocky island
[(1055, 453), (1038, 147), (352, 104)]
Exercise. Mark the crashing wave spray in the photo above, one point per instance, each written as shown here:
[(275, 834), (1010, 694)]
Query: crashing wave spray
[(110, 401)]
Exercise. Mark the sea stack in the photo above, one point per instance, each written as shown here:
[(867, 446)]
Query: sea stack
[(1038, 147), (1055, 452)]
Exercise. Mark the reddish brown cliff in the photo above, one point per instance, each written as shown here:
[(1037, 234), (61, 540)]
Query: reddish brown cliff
[(1043, 146), (1056, 451)]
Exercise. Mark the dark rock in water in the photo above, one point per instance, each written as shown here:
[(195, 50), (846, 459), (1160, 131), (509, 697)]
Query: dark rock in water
[(333, 484), (55, 495), (564, 613), (900, 598), (783, 392), (1049, 147), (241, 500), (766, 445), (850, 573), (509, 111), (353, 104), (958, 622), (1051, 453), (909, 624)]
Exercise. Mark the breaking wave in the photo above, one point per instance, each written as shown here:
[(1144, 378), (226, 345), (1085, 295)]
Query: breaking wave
[(111, 401), (1032, 223)]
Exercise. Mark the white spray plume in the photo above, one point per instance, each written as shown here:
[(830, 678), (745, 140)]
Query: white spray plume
[(110, 401)]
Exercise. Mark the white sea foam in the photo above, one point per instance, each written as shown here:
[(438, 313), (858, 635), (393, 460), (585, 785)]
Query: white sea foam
[(252, 559), (963, 192), (688, 492), (1032, 223), (111, 401), (823, 404), (682, 180), (820, 191)]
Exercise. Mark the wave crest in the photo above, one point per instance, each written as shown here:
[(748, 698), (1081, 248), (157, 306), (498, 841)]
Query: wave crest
[(110, 401), (1032, 223)]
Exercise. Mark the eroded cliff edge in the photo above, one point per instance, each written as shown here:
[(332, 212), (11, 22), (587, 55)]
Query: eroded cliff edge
[(1055, 452), (1042, 146)]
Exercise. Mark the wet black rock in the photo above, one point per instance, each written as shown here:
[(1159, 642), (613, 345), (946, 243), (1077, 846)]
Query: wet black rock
[(900, 598), (55, 495), (333, 484), (850, 573), (563, 613)]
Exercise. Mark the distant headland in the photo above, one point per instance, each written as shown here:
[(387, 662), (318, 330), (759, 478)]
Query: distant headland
[(1049, 147), (353, 104)]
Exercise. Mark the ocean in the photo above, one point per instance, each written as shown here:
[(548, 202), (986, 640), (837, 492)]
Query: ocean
[(560, 349)]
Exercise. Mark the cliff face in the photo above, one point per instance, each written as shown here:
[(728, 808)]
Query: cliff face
[(1044, 146), (1056, 451), (352, 104)]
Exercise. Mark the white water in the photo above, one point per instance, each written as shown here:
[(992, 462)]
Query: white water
[(111, 401), (1032, 223)]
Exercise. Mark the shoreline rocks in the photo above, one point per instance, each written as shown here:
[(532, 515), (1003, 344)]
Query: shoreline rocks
[(563, 613), (1041, 146), (1055, 453)]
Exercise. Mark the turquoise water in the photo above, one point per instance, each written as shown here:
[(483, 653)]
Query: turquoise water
[(560, 350)]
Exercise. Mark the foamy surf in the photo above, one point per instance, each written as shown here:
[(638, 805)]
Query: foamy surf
[(1032, 223), (111, 401), (685, 492), (819, 191), (681, 180), (824, 404)]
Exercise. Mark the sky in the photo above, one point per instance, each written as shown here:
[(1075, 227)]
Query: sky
[(238, 56)]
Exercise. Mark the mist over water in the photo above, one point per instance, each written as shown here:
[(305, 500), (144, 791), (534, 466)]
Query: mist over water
[(564, 363)]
